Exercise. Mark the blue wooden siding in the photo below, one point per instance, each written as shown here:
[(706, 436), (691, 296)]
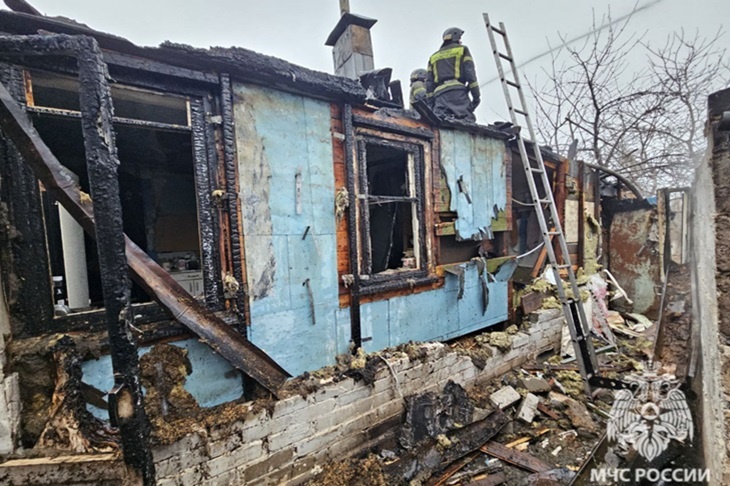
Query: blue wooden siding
[(427, 316), (287, 183), (479, 162)]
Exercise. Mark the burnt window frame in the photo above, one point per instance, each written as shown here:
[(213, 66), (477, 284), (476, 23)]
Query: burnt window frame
[(210, 118), (371, 283)]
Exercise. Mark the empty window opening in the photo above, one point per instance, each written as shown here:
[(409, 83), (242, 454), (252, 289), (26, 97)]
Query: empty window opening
[(392, 197), (157, 194)]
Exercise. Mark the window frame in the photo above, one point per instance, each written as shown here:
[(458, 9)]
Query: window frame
[(417, 167), (204, 101)]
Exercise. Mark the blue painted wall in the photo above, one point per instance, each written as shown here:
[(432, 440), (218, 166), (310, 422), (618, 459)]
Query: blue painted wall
[(479, 162), (212, 382), (283, 138), (285, 165)]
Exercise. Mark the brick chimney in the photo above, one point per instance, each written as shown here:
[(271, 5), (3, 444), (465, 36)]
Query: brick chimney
[(352, 47)]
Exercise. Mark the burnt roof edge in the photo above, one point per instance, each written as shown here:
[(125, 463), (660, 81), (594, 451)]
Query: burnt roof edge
[(241, 63)]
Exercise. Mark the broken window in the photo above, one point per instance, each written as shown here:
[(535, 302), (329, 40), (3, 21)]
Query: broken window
[(392, 202), (156, 181)]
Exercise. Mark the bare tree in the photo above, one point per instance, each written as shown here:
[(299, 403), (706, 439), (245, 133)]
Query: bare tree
[(645, 120)]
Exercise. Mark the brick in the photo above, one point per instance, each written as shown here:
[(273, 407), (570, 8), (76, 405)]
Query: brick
[(225, 479), (318, 442), (545, 315), (345, 445), (355, 395), (313, 412), (519, 340), (290, 435), (184, 460), (504, 397), (379, 429), (188, 477), (290, 405), (279, 475), (303, 466), (261, 468), (528, 408), (341, 415), (184, 445), (245, 454)]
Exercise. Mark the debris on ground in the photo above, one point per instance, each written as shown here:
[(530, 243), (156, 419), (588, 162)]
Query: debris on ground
[(552, 427)]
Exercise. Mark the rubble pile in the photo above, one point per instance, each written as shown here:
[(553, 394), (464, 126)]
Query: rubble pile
[(533, 425)]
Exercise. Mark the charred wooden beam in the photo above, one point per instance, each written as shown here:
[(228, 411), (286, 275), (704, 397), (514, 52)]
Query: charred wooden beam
[(24, 257), (102, 164), (422, 462), (153, 278), (205, 156), (234, 204), (355, 325)]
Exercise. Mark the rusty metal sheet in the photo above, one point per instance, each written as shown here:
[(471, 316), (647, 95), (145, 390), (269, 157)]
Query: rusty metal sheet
[(636, 254)]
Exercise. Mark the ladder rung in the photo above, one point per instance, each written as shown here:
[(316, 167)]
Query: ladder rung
[(521, 112), (537, 169), (505, 57), (545, 201), (513, 84), (561, 267), (498, 31), (553, 233)]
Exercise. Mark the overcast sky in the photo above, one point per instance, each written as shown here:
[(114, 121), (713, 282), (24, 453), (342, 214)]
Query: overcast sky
[(406, 34)]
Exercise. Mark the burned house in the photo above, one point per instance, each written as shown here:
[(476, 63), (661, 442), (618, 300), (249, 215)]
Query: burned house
[(275, 217)]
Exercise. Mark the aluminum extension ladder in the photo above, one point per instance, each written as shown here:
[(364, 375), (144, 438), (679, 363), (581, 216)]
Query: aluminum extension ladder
[(549, 223)]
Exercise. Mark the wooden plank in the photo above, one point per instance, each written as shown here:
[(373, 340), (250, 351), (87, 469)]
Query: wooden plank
[(541, 258), (544, 409), (491, 480), (519, 459), (532, 301), (452, 469)]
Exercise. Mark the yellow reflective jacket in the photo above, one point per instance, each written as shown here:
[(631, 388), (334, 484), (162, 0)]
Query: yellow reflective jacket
[(452, 67)]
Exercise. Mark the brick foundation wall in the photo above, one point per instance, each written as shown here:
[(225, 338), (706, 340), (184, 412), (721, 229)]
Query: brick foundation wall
[(338, 420)]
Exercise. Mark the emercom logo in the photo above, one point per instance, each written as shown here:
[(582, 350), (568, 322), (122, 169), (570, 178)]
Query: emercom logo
[(648, 419)]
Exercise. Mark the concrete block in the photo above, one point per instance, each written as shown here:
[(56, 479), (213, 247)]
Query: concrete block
[(536, 385), (504, 397), (528, 408)]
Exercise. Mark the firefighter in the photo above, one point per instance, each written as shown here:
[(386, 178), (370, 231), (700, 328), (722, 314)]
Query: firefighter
[(452, 77), (418, 85)]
